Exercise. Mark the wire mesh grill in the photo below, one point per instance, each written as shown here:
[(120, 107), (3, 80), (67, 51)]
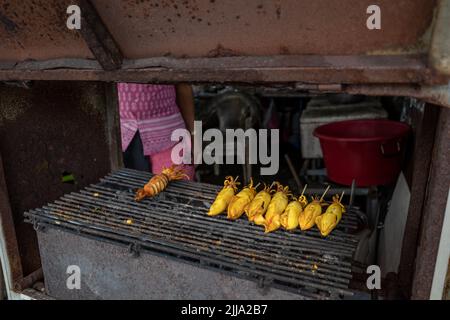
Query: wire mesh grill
[(175, 224)]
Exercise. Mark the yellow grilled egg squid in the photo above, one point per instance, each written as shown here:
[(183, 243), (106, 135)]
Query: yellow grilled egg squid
[(259, 204), (240, 202), (289, 218), (330, 219), (307, 217), (224, 197), (276, 207)]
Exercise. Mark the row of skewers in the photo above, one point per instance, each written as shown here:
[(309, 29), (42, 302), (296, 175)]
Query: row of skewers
[(275, 206)]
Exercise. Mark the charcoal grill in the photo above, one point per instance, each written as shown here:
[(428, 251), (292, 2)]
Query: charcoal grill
[(172, 234)]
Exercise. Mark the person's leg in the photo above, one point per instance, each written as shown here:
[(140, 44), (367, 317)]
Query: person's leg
[(133, 157), (163, 159)]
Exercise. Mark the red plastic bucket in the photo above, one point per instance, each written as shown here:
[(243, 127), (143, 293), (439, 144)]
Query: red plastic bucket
[(369, 151)]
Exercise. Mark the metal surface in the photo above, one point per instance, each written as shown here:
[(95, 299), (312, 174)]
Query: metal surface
[(438, 94), (441, 271), (175, 224), (203, 28), (37, 30), (29, 280), (423, 147), (433, 209), (330, 70), (268, 27), (98, 38), (46, 131), (32, 294), (324, 42), (113, 135), (440, 44), (109, 271)]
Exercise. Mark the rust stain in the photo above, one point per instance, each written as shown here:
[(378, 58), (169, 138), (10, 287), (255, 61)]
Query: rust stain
[(36, 29), (9, 25), (60, 136), (220, 51), (196, 28)]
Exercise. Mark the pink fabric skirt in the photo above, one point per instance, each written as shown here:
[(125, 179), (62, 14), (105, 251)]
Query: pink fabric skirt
[(152, 110)]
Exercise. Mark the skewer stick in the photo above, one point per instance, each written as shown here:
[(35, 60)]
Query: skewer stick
[(304, 189), (342, 195), (293, 172), (352, 192), (325, 192)]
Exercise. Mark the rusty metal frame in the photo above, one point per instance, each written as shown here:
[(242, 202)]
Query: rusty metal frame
[(386, 69), (437, 94), (433, 210), (421, 76), (439, 55), (113, 126), (439, 289), (9, 250), (98, 38), (423, 148), (368, 75), (424, 75), (10, 253)]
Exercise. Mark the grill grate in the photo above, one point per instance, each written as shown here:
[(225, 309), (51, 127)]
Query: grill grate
[(175, 224)]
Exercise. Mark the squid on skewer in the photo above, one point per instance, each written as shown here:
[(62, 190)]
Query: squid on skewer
[(307, 218), (224, 197), (276, 207), (289, 218), (259, 204), (239, 202), (330, 219), (160, 181)]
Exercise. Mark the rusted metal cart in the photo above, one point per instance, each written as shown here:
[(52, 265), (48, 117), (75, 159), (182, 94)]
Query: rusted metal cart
[(59, 111)]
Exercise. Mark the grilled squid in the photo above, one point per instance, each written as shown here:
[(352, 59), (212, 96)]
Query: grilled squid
[(224, 197), (259, 204), (276, 207), (307, 218), (239, 202), (330, 219), (160, 181), (289, 218)]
